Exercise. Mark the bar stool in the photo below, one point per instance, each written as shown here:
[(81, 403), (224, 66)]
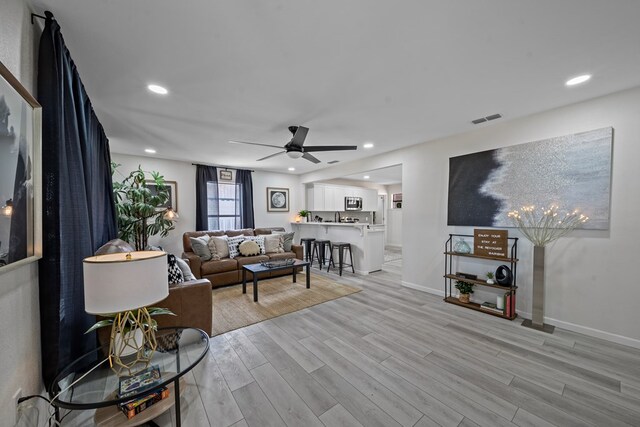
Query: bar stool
[(306, 242), (341, 247), (319, 252)]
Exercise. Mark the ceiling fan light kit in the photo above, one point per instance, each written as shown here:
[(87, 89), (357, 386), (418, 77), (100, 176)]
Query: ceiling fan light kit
[(295, 148)]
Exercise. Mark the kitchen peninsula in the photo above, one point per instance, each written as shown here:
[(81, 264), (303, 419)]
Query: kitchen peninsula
[(367, 241)]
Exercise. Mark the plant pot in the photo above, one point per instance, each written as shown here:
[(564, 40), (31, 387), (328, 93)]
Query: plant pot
[(490, 282), (464, 298)]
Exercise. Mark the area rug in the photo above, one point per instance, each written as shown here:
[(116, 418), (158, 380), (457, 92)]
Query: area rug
[(232, 309)]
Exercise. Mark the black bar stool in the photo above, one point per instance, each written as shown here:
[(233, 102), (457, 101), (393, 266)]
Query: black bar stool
[(319, 252), (306, 242), (341, 247)]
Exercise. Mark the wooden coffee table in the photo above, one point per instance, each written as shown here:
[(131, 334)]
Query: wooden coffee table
[(259, 268)]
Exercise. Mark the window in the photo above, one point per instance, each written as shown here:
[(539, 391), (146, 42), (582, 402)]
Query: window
[(223, 206)]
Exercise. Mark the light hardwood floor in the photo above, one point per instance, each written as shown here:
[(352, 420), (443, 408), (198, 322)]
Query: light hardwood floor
[(391, 356)]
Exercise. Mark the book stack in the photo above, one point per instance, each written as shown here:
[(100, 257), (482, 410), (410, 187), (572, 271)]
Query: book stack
[(490, 306), (507, 304), (143, 380)]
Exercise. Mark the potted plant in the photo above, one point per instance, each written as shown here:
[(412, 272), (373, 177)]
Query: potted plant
[(490, 278), (465, 288), (304, 214), (140, 212)]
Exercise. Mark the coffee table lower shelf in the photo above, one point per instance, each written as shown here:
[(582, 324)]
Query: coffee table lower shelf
[(112, 416), (477, 307)]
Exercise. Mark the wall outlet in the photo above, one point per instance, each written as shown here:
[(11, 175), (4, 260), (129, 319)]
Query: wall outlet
[(16, 396)]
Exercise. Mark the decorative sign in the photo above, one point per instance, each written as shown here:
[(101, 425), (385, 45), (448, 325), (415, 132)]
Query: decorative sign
[(492, 243), (225, 175)]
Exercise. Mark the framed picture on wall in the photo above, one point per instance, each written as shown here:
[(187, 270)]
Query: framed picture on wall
[(226, 175), (172, 187), (277, 199), (20, 174)]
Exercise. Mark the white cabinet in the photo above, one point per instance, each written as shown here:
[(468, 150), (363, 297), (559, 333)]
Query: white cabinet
[(370, 200), (326, 197)]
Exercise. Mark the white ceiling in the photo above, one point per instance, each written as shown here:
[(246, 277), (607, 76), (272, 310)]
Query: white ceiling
[(383, 176), (393, 73)]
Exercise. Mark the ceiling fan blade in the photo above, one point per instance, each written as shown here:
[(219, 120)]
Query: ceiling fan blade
[(330, 148), (255, 143), (299, 136), (310, 158), (270, 156)]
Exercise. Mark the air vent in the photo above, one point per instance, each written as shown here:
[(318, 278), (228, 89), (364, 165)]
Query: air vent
[(332, 162), (485, 119)]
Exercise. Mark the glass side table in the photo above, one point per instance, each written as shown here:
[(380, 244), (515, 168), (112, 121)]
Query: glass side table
[(179, 350)]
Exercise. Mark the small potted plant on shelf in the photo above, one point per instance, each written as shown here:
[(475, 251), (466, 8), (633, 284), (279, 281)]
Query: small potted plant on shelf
[(490, 278), (304, 214), (465, 288)]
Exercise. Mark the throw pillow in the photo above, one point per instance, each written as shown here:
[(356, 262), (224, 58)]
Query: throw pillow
[(219, 247), (175, 274), (249, 248), (186, 271), (288, 239), (233, 243), (273, 244), (200, 247), (260, 241)]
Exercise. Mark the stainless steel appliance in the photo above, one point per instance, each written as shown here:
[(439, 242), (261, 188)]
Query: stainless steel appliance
[(352, 203)]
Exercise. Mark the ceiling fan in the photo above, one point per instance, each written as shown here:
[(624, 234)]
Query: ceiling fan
[(295, 148)]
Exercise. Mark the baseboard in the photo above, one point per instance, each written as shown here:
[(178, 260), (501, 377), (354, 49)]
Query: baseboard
[(394, 246), (585, 330), (592, 332), (423, 288)]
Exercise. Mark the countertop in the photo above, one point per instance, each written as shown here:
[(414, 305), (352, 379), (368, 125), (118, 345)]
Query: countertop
[(337, 224)]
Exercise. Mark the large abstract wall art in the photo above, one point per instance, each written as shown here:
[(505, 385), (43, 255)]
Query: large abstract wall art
[(572, 171)]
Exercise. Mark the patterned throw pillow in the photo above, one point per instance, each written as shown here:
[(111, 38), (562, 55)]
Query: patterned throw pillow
[(175, 274), (249, 248), (288, 239), (273, 244), (260, 241), (233, 243), (200, 247)]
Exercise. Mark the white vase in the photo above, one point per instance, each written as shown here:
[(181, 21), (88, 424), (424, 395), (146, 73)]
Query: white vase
[(500, 302)]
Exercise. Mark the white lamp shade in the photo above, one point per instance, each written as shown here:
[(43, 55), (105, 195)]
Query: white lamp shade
[(112, 283)]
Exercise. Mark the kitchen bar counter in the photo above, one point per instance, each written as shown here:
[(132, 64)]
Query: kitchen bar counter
[(367, 241)]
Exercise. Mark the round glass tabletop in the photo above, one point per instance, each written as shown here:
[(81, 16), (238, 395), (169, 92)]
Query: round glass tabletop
[(89, 382)]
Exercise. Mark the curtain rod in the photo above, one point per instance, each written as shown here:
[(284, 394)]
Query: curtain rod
[(221, 167), (47, 15)]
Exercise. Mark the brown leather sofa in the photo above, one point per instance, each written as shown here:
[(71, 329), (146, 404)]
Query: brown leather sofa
[(229, 271)]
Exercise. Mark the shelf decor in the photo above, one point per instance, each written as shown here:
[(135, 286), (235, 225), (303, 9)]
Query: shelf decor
[(509, 309), (543, 226)]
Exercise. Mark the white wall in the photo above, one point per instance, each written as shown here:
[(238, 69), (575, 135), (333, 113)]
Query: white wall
[(590, 285), (394, 218), (184, 173), (20, 360)]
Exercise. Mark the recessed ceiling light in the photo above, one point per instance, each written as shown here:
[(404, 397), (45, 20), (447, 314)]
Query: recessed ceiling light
[(366, 177), (292, 169), (150, 150), (368, 145), (577, 80), (158, 89)]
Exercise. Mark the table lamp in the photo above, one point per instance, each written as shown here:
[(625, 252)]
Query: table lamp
[(121, 286)]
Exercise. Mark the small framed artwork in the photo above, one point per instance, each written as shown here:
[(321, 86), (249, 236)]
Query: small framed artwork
[(172, 187), (277, 199), (226, 175)]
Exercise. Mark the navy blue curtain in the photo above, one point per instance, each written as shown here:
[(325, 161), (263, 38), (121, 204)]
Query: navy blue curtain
[(206, 184), (78, 207), (244, 189)]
